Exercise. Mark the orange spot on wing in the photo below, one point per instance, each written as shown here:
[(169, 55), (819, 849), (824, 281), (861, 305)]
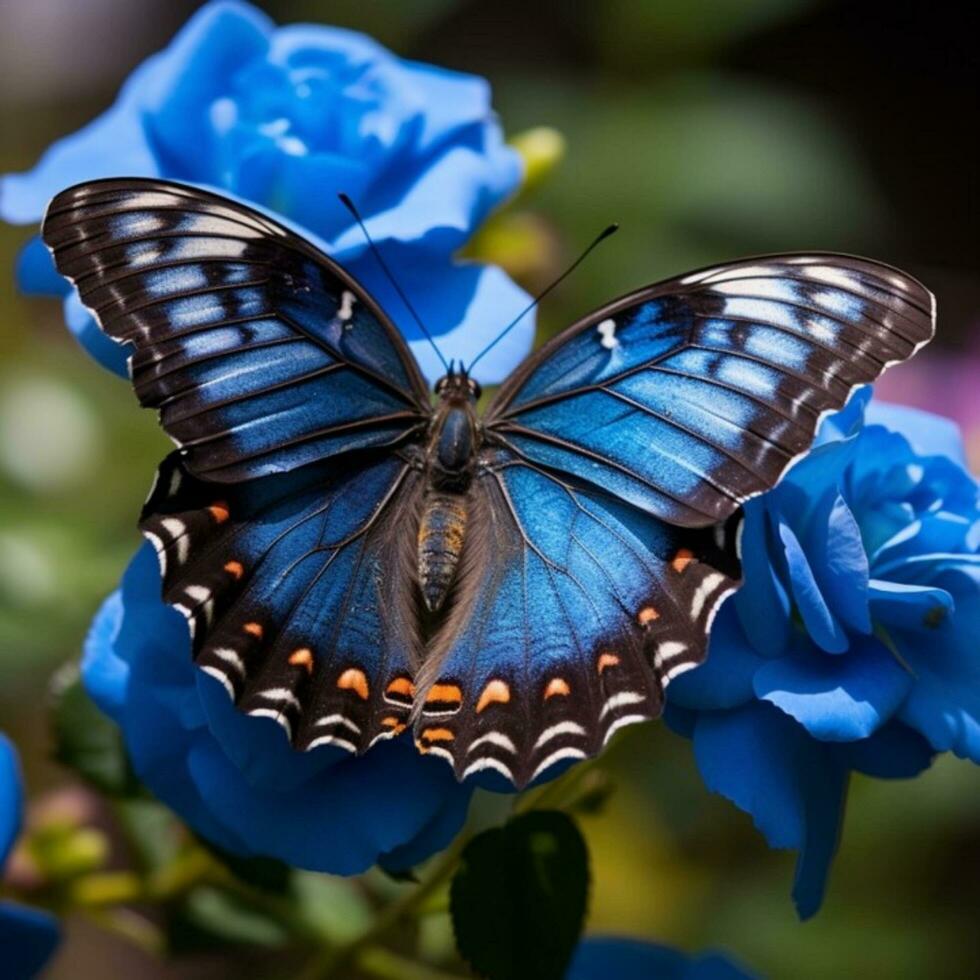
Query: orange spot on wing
[(496, 691), (355, 680), (437, 735), (219, 511), (235, 569), (303, 657), (647, 615), (254, 629), (401, 685), (444, 692), (606, 660), (395, 724), (682, 559), (557, 687)]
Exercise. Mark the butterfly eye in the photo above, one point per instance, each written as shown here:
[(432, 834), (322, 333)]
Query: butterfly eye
[(475, 389)]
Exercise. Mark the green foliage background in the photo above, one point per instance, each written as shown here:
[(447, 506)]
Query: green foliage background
[(709, 130)]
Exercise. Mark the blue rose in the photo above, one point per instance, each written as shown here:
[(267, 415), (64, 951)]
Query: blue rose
[(28, 936), (605, 957), (287, 118), (852, 645), (235, 779)]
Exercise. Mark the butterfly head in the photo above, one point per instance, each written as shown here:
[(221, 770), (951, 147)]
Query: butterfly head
[(457, 385)]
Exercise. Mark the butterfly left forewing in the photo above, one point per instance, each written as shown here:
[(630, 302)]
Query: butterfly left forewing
[(260, 354), (576, 612)]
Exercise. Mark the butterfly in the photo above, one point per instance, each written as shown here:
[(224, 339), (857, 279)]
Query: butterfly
[(356, 556)]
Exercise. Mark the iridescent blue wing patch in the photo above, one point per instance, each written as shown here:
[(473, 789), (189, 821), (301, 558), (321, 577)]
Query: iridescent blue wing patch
[(260, 353), (572, 625), (689, 397), (288, 587)]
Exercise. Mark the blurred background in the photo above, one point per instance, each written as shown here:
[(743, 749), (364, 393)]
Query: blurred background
[(710, 129)]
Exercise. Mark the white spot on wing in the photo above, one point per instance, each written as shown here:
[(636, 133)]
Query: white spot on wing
[(339, 720), (562, 728), (669, 648), (607, 334), (346, 311), (620, 701), (281, 694), (487, 762), (565, 753), (714, 609), (710, 583), (230, 657), (493, 738), (341, 743), (622, 723)]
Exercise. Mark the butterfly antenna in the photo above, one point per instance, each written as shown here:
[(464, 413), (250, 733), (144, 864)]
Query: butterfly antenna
[(602, 236), (349, 204)]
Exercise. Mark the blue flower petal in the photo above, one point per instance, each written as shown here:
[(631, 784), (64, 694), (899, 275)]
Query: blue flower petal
[(98, 345), (434, 837), (449, 199), (681, 721), (35, 271), (11, 797), (28, 938), (928, 434), (792, 785), (105, 673), (605, 957), (192, 72), (820, 622), (114, 143), (340, 825), (909, 607), (258, 746), (464, 306), (836, 698), (762, 604), (836, 554), (893, 752), (725, 679), (848, 421), (944, 704)]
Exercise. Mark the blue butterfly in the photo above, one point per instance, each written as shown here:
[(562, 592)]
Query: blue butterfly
[(354, 557)]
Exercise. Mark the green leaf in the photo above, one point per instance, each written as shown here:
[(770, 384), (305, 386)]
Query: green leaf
[(519, 897), (333, 907), (209, 916), (86, 741)]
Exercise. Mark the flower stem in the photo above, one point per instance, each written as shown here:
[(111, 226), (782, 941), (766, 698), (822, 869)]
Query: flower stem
[(386, 965), (334, 962)]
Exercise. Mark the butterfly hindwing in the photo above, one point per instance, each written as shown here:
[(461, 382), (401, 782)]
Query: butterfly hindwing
[(260, 353), (288, 587), (689, 397), (576, 612)]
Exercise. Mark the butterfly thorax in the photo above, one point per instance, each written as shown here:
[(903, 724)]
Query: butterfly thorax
[(450, 457)]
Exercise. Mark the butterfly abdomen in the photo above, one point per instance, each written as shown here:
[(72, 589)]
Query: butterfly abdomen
[(442, 531)]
